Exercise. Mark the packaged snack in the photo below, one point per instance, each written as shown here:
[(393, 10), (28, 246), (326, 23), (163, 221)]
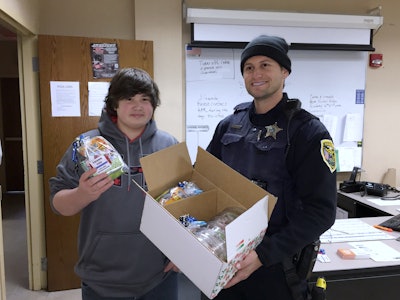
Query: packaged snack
[(97, 152), (184, 189), (191, 222), (212, 234)]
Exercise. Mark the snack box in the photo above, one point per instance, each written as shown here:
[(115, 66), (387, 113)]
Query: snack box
[(222, 187), (97, 152)]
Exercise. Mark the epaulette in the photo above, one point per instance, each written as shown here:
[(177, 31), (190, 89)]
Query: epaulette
[(242, 106)]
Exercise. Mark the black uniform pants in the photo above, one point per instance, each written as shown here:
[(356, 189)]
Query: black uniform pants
[(264, 284)]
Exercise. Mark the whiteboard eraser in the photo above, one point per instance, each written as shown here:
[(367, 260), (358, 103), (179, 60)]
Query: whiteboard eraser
[(353, 253)]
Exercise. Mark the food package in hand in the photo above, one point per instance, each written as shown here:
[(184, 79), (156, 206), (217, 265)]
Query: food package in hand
[(97, 152)]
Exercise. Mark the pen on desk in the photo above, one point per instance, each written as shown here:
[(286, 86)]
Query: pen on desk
[(383, 228)]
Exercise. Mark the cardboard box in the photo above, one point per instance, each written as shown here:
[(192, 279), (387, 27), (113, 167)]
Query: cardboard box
[(223, 187)]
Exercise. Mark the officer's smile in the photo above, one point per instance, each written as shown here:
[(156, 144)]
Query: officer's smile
[(259, 83)]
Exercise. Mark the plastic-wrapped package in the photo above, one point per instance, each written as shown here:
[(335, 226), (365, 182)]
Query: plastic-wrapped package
[(213, 235), (184, 189), (97, 152)]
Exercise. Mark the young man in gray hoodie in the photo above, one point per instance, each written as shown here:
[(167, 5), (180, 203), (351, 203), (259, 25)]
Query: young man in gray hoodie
[(116, 261)]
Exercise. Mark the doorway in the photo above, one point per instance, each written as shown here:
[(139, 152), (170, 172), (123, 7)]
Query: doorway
[(11, 137), (12, 167)]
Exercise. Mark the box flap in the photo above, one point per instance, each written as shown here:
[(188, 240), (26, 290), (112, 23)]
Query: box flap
[(180, 246), (247, 230), (172, 164), (230, 181)]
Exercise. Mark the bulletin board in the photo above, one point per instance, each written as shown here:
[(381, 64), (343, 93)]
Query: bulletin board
[(330, 84)]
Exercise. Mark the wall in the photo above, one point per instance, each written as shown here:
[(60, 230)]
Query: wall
[(25, 13), (89, 18), (380, 148), (382, 99), (160, 22)]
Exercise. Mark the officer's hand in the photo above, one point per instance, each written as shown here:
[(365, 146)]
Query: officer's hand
[(245, 268)]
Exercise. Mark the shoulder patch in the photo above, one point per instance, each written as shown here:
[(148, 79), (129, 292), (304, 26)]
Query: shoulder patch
[(328, 154)]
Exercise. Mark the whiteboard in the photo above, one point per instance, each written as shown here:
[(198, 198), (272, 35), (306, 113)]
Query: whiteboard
[(330, 84)]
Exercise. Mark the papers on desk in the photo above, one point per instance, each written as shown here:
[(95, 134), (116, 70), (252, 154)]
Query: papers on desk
[(377, 250), (381, 202), (353, 230)]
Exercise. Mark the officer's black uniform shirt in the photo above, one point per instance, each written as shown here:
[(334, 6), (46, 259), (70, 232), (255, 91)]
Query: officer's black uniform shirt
[(301, 175)]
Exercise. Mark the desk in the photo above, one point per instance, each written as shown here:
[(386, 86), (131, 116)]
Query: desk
[(359, 279), (359, 206)]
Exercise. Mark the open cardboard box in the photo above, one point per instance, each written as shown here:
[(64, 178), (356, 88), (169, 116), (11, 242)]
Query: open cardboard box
[(222, 187)]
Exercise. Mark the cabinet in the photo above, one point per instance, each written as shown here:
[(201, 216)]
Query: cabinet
[(356, 208)]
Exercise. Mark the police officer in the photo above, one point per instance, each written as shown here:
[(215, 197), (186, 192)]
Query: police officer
[(287, 151)]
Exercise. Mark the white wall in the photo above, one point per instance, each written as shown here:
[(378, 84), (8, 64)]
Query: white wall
[(25, 13), (88, 18), (380, 135), (161, 22)]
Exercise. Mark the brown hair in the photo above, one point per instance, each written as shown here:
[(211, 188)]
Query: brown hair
[(127, 83)]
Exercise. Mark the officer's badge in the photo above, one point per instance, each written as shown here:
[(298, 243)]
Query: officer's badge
[(328, 154), (272, 130)]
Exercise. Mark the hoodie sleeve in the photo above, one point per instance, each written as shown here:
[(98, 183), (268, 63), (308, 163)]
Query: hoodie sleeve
[(67, 176)]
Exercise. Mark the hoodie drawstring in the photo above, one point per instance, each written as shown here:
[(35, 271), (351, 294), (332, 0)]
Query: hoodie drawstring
[(129, 163), (140, 156)]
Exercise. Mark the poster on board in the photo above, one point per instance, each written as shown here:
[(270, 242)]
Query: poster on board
[(105, 59)]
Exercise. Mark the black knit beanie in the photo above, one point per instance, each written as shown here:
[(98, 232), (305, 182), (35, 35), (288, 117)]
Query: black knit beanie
[(271, 46)]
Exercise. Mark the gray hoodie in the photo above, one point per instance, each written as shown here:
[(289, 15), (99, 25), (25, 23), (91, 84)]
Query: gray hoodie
[(115, 258)]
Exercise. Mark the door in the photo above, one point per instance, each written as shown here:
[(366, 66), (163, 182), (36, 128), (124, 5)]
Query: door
[(63, 58)]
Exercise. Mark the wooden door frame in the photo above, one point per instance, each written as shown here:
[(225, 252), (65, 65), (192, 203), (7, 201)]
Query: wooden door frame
[(32, 140), (31, 143)]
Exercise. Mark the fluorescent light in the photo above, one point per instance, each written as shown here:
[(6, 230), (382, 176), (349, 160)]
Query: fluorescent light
[(287, 19)]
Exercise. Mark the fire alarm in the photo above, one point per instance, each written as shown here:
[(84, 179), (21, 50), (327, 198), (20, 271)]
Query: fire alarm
[(375, 60)]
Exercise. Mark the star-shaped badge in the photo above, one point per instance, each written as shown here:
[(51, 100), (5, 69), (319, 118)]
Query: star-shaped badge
[(272, 130)]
